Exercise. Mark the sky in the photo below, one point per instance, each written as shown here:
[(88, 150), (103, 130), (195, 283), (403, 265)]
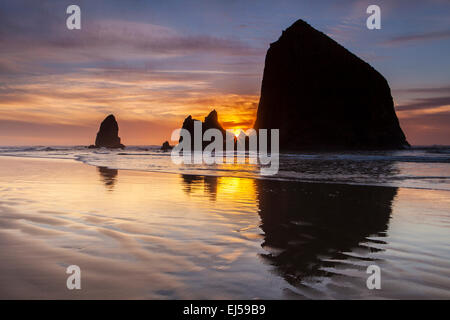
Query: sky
[(152, 63)]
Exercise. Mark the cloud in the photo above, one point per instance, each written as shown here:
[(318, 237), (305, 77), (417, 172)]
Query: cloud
[(445, 89), (115, 40), (86, 96), (425, 120), (425, 129), (418, 37), (29, 132), (53, 77), (148, 39), (23, 132), (424, 103)]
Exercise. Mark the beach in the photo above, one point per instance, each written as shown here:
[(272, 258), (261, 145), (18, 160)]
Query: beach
[(157, 235)]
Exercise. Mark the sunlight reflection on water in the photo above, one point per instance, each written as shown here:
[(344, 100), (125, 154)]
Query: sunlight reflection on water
[(155, 235)]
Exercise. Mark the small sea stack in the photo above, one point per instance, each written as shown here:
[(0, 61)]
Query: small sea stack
[(166, 146), (108, 134)]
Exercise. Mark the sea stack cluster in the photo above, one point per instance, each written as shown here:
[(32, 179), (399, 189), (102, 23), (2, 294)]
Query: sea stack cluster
[(211, 122)]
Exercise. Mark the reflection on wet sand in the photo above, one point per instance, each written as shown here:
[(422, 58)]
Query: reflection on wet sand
[(207, 183), (309, 228), (108, 176), (166, 236)]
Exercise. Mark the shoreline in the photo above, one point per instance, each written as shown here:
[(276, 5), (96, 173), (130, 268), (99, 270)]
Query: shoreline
[(281, 179)]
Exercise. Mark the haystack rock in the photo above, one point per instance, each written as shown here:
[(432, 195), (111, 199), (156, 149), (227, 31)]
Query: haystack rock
[(108, 134), (211, 122), (320, 95)]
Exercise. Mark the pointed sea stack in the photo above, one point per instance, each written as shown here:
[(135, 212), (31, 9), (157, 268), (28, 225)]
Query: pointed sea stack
[(108, 134), (320, 95), (211, 122)]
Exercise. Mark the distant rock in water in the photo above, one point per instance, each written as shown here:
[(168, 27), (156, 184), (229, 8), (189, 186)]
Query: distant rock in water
[(320, 96), (108, 134), (211, 122), (166, 146)]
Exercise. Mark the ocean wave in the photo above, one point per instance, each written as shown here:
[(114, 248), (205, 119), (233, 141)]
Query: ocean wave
[(420, 167)]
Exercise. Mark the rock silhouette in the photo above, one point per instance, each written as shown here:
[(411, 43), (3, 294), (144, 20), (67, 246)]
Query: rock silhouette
[(312, 226), (211, 122), (320, 95), (108, 134), (308, 229), (166, 146)]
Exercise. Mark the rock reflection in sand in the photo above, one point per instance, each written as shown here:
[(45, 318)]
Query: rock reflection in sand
[(155, 235), (108, 176)]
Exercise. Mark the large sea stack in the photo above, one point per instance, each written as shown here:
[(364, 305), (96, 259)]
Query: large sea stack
[(108, 134), (320, 95)]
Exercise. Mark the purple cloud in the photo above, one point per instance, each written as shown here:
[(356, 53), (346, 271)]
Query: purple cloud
[(424, 103), (418, 37)]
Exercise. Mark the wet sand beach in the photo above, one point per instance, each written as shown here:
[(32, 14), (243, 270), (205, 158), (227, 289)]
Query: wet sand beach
[(172, 236)]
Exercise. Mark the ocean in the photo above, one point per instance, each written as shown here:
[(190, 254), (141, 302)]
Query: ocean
[(418, 167), (140, 227)]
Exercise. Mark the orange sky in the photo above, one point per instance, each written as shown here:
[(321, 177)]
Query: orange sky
[(152, 65), (67, 109)]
